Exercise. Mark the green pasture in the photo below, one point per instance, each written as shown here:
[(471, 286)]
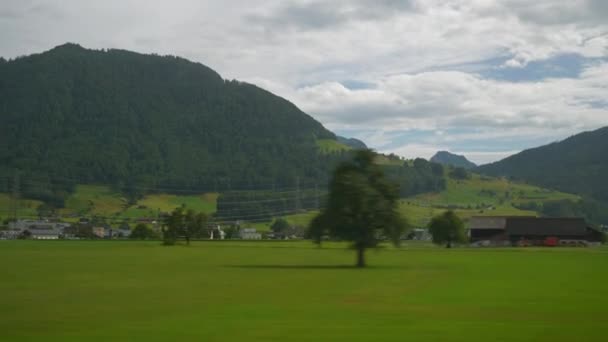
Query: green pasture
[(100, 200), (302, 220), (327, 146), (26, 207), (97, 200), (489, 191), (294, 291)]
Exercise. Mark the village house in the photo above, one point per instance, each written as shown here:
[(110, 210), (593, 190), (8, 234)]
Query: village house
[(249, 234), (531, 231), (36, 229)]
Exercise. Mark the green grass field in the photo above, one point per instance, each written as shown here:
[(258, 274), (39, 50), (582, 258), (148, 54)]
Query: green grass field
[(293, 291), (26, 207), (327, 146)]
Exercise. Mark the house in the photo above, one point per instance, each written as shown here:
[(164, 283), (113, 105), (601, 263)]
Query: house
[(526, 231), (36, 229), (122, 233), (99, 232), (249, 234), (44, 232), (418, 234), (488, 230), (25, 224)]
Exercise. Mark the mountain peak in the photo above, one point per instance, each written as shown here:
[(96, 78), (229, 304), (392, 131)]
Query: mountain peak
[(68, 46), (447, 158)]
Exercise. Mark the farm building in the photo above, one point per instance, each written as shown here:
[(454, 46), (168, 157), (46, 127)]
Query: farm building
[(44, 232), (250, 234), (507, 231)]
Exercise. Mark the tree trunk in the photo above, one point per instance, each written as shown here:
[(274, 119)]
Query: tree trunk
[(187, 240), (449, 245), (361, 257)]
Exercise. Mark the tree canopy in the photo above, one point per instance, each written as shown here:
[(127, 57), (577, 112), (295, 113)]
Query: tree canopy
[(280, 225), (142, 232), (184, 223), (447, 228), (361, 208)]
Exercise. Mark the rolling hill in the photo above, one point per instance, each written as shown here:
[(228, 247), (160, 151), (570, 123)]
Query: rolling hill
[(447, 158), (578, 165), (77, 116)]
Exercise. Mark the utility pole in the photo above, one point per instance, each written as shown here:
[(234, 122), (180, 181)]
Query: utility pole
[(15, 197), (298, 204), (316, 197)]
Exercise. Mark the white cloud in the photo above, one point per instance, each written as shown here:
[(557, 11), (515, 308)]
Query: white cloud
[(452, 99)]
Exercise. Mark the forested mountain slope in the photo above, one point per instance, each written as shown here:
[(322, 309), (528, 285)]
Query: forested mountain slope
[(578, 165), (447, 158), (72, 115)]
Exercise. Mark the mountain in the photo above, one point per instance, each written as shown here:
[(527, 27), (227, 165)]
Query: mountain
[(447, 158), (73, 115), (578, 165), (351, 142)]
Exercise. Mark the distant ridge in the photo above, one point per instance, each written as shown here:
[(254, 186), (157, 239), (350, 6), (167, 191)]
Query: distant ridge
[(352, 142), (447, 158), (578, 165)]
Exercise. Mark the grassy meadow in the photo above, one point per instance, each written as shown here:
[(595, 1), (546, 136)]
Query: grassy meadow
[(327, 146), (294, 291), (476, 196)]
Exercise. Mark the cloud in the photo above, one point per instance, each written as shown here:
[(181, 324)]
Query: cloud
[(319, 15), (470, 111)]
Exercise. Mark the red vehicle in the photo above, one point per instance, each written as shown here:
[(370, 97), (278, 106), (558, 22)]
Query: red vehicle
[(551, 241)]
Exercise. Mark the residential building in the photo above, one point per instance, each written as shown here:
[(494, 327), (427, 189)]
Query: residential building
[(249, 234)]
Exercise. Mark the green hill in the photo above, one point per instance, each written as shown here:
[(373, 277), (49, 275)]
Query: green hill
[(447, 158), (479, 195), (135, 122), (578, 165)]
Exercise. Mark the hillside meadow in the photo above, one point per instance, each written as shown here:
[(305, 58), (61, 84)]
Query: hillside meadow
[(295, 291), (476, 196)]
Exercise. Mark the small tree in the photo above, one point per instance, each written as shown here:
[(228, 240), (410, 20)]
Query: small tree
[(279, 226), (142, 232), (447, 228), (361, 208), (188, 224), (194, 223), (459, 173)]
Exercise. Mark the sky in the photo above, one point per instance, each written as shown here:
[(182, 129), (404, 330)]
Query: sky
[(481, 78)]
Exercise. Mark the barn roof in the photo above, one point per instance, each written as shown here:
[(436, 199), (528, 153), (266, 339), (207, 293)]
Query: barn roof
[(491, 222), (487, 222), (546, 226)]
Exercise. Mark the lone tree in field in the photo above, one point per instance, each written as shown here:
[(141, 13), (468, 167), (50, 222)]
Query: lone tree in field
[(142, 232), (447, 228), (361, 208), (280, 225), (183, 223)]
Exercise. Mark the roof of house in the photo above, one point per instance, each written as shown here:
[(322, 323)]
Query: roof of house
[(489, 222), (44, 231), (546, 226)]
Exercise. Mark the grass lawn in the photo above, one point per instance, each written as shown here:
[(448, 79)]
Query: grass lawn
[(293, 291)]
